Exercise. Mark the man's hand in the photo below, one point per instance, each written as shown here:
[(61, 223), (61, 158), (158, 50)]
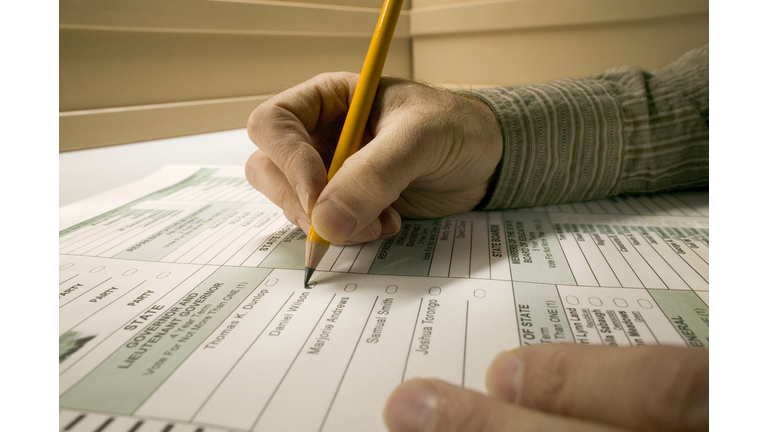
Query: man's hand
[(427, 153), (566, 387)]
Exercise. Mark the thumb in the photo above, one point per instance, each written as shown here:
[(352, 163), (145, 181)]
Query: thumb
[(355, 205), (642, 388)]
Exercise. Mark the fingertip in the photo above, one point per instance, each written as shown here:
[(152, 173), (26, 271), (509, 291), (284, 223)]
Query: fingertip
[(386, 225), (252, 166), (411, 407), (370, 233), (390, 222), (505, 376)]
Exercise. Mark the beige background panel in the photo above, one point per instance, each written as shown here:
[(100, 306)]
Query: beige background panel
[(134, 70), (105, 69), (418, 4), (132, 94), (376, 4), (222, 17), (447, 16), (531, 56), (97, 128)]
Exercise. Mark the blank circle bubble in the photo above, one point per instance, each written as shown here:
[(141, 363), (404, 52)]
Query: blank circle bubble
[(572, 300), (480, 293), (164, 275), (66, 266), (310, 285), (97, 269), (645, 304), (434, 291), (350, 287), (594, 301), (130, 272), (271, 282), (391, 289), (620, 302)]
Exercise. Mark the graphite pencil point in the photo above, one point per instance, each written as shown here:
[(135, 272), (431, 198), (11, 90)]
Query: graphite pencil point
[(307, 274)]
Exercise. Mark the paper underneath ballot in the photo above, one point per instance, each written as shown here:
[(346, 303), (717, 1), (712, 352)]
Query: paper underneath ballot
[(182, 303)]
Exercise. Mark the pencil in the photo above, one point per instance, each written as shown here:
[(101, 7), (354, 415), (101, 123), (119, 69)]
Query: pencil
[(357, 116)]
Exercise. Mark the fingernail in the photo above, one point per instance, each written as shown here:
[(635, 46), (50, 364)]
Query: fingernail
[(366, 235), (412, 407), (303, 195), (505, 376), (329, 216), (390, 222), (305, 225)]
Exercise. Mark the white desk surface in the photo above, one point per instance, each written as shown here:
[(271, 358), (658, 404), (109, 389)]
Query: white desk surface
[(83, 173)]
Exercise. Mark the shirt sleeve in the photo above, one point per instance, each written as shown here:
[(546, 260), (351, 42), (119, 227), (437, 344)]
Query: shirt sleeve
[(625, 130)]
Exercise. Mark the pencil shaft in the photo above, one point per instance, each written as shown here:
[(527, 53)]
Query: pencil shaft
[(314, 250), (359, 110), (365, 92)]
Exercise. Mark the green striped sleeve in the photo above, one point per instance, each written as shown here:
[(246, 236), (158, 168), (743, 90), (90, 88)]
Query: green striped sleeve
[(625, 130)]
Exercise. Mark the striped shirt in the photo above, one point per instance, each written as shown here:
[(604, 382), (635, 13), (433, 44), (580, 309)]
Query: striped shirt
[(625, 130)]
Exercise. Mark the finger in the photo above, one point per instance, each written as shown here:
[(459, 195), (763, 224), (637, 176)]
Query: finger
[(296, 128), (267, 178), (645, 388), (367, 183), (433, 405), (386, 225)]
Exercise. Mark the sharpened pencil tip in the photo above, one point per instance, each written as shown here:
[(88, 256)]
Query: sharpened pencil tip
[(307, 274)]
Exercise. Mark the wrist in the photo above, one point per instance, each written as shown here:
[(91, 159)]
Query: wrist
[(485, 128)]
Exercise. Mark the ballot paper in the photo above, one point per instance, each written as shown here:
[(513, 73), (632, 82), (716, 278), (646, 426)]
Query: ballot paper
[(182, 305)]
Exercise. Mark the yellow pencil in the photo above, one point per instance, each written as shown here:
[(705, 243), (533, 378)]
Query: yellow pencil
[(357, 117)]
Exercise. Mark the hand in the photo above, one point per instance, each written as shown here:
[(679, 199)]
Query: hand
[(426, 153), (566, 387)]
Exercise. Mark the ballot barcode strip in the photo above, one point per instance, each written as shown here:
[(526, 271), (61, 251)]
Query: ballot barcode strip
[(92, 422)]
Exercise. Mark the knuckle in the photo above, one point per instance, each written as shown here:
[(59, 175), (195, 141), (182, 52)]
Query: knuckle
[(252, 169), (255, 168), (285, 199), (297, 161), (681, 396), (255, 123), (254, 117)]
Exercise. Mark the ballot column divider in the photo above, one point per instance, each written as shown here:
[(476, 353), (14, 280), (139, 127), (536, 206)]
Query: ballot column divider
[(410, 344), (309, 335), (341, 380), (224, 378)]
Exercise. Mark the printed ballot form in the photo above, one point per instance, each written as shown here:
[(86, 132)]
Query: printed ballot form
[(182, 305)]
